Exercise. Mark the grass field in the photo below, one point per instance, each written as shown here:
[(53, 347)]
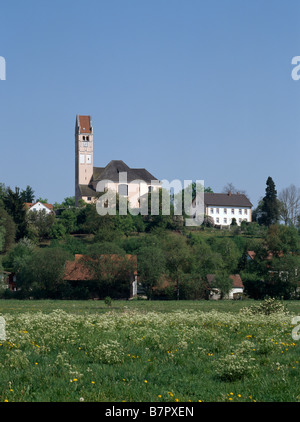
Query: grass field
[(142, 351)]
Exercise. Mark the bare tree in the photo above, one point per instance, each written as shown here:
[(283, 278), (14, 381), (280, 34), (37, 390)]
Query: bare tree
[(289, 199), (232, 189)]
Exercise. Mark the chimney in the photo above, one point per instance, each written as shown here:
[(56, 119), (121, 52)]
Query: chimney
[(229, 193), (238, 193)]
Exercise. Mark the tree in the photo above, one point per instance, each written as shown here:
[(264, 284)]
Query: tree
[(27, 195), (39, 224), (42, 273), (151, 265), (223, 283), (111, 273), (9, 228), (178, 257), (270, 205), (283, 276), (230, 188), (14, 205), (289, 204)]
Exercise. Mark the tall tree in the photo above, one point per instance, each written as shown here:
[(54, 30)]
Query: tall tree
[(151, 264), (270, 204), (28, 194), (14, 205)]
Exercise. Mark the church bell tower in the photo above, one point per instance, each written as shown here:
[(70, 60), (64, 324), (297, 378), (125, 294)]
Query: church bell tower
[(83, 154)]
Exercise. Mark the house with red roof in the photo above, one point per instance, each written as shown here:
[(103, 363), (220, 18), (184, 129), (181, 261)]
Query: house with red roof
[(85, 270), (39, 206), (236, 290)]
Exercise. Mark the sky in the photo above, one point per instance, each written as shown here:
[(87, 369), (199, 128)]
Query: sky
[(189, 90)]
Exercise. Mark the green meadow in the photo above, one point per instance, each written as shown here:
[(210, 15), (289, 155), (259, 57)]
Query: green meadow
[(149, 351)]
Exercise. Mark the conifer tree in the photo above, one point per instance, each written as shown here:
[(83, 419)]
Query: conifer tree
[(270, 205)]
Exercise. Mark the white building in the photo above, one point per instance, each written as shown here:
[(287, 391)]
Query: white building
[(236, 290), (223, 207), (39, 206)]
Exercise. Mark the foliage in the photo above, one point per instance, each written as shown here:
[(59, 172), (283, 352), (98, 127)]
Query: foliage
[(267, 307), (151, 266), (270, 205), (14, 205)]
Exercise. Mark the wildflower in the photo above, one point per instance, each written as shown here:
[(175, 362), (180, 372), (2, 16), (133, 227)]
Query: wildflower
[(145, 381)]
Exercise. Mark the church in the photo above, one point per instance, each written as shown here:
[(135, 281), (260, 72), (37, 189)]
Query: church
[(138, 181)]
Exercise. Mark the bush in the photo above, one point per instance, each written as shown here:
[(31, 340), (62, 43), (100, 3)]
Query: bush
[(267, 307), (235, 367)]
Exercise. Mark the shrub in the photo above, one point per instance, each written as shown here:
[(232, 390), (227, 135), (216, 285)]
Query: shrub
[(235, 367), (267, 307)]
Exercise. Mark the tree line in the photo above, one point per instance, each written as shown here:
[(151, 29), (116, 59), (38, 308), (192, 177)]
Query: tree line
[(173, 261)]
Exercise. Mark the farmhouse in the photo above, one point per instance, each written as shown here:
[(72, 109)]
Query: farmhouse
[(115, 176), (85, 270), (237, 287), (223, 207)]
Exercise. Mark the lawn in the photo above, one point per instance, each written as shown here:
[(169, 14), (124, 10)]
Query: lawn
[(142, 351)]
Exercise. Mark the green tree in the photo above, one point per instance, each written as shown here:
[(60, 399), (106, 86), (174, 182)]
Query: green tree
[(151, 266), (270, 205), (178, 257), (42, 274), (9, 226), (28, 194), (39, 224), (223, 283), (14, 205)]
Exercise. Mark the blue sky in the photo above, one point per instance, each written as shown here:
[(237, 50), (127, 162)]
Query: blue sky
[(187, 89)]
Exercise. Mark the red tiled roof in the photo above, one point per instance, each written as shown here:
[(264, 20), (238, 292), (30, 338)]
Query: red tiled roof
[(77, 270), (236, 280), (30, 205), (84, 124)]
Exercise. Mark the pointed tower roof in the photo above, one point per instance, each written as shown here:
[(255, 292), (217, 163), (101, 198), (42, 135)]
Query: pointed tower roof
[(84, 124)]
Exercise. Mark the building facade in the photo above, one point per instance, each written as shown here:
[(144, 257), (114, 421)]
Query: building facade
[(223, 207)]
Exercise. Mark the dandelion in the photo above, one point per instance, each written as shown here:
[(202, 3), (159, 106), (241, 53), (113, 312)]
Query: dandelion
[(145, 381)]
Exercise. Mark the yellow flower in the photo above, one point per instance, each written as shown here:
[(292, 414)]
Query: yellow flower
[(159, 396), (145, 381)]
